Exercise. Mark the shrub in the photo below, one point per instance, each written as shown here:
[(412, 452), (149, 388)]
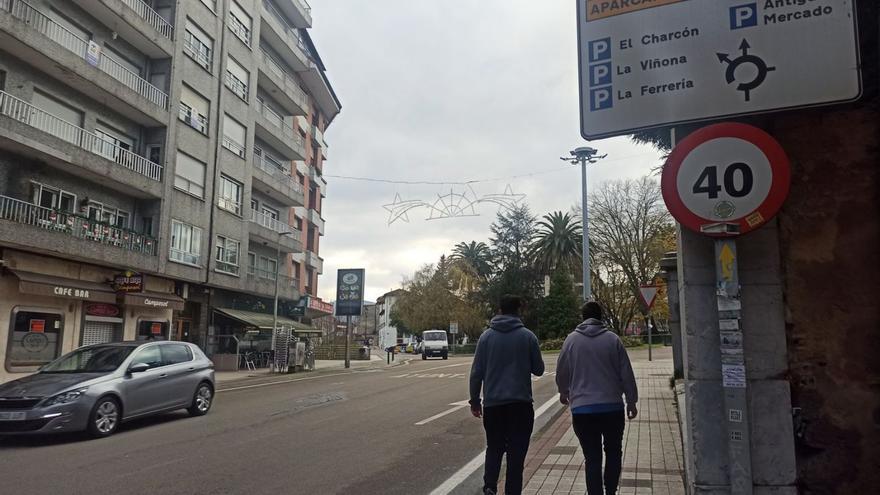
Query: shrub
[(552, 344), (630, 341)]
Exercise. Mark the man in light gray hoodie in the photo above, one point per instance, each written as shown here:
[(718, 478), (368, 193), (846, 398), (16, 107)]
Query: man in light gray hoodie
[(593, 374), (506, 358)]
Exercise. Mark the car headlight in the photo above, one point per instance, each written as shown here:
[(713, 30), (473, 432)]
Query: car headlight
[(66, 397)]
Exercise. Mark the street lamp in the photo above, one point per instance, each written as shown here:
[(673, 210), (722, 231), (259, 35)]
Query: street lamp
[(583, 156), (277, 279)]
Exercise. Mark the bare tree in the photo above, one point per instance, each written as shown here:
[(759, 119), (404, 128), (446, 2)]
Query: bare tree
[(630, 230)]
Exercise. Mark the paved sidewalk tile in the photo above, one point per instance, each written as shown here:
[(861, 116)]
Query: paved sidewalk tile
[(652, 454)]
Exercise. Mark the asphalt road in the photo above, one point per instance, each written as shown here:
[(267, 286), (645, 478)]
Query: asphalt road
[(350, 432)]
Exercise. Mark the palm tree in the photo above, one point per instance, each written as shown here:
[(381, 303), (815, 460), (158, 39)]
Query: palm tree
[(471, 265), (558, 242)]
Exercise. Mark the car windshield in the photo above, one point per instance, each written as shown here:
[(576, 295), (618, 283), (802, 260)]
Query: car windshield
[(98, 359), (435, 336)]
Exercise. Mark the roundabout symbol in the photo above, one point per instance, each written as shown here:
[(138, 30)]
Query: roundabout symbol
[(746, 58)]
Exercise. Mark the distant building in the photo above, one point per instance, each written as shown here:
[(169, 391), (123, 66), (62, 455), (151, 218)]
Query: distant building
[(384, 307)]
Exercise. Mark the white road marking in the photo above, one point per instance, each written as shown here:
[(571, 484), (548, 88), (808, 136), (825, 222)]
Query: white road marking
[(458, 406), (245, 387), (549, 373), (429, 375), (475, 463)]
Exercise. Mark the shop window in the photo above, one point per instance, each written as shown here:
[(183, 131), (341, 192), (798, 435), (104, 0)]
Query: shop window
[(34, 339), (152, 330)]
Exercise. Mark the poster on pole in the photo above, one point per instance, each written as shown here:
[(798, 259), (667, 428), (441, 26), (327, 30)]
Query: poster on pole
[(349, 291)]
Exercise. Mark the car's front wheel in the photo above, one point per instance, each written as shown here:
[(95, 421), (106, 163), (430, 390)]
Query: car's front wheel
[(202, 400), (105, 417)]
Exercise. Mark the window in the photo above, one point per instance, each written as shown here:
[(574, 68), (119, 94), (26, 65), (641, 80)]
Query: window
[(186, 242), (194, 109), (154, 153), (54, 198), (112, 144), (240, 23), (189, 175), (2, 80), (151, 330), (149, 355), (234, 136), (176, 354), (227, 255), (100, 212), (34, 339), (237, 78), (147, 226), (230, 195), (198, 45), (252, 264), (211, 4), (266, 267), (60, 110), (69, 25)]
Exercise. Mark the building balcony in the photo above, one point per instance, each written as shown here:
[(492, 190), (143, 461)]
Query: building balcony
[(313, 260), (284, 37), (136, 22), (318, 138), (32, 132), (43, 43), (26, 225), (277, 132), (271, 178), (279, 83), (314, 217), (274, 233), (262, 282)]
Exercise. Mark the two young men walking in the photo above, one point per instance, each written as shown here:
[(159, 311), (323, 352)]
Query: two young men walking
[(593, 373)]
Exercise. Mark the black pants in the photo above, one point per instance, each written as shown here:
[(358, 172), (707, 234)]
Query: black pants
[(508, 429), (591, 430)]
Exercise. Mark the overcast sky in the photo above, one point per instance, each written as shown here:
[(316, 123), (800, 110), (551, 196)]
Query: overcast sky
[(447, 91)]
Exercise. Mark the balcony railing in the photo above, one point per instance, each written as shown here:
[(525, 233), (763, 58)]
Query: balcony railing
[(279, 122), (275, 225), (295, 91), (152, 17), (192, 118), (28, 114), (78, 226), (227, 267), (197, 50), (236, 148), (105, 62), (236, 86), (239, 29), (291, 31), (184, 257), (273, 167), (261, 273)]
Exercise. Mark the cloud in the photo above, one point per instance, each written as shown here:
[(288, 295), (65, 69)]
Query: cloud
[(447, 91)]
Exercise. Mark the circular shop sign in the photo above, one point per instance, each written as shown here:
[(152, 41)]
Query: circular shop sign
[(726, 179), (35, 342), (350, 278)]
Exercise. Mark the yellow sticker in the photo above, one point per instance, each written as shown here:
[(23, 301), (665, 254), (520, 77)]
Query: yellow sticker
[(755, 219), (600, 9)]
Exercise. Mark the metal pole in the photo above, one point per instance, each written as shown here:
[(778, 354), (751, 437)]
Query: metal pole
[(650, 335), (733, 369), (275, 310), (348, 342), (586, 231)]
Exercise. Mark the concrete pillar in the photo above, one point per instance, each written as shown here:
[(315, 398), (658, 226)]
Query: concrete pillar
[(705, 435)]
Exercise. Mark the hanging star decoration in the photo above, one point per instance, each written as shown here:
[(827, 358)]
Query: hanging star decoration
[(455, 204)]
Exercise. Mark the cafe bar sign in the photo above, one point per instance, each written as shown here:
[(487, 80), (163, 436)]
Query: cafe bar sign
[(128, 281)]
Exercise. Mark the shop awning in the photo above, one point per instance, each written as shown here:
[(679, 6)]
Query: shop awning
[(38, 284), (154, 300), (264, 321)]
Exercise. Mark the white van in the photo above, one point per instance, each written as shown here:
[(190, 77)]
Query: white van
[(435, 343)]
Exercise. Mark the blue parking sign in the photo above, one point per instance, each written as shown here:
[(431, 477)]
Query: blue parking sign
[(743, 16)]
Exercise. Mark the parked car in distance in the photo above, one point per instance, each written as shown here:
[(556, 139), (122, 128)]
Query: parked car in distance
[(435, 343), (95, 388)]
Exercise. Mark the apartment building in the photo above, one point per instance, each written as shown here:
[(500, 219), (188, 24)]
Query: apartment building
[(160, 170)]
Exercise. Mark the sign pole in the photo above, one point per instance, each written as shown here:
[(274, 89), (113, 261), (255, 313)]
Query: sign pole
[(347, 342), (733, 369), (650, 337)]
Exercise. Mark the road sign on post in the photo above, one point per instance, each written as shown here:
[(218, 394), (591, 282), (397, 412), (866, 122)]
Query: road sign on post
[(725, 180), (349, 301), (666, 62), (648, 293)]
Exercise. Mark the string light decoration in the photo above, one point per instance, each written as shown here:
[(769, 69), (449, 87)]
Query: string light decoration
[(454, 204)]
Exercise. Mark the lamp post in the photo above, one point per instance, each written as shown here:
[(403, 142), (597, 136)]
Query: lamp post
[(277, 279), (582, 156)]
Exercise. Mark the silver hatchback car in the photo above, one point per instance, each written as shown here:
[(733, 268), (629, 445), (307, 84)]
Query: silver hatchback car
[(95, 388)]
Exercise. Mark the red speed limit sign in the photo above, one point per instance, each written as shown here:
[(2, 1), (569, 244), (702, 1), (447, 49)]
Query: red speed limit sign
[(726, 179)]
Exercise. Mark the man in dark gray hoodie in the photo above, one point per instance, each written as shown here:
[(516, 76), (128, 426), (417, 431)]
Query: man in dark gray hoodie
[(593, 373), (506, 358)]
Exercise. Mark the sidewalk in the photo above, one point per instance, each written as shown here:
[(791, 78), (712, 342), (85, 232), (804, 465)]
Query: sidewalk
[(652, 456)]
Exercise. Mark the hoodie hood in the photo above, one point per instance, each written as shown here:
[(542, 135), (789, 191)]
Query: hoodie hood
[(506, 323), (591, 328)]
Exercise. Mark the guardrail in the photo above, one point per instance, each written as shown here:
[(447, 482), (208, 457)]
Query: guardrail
[(274, 168), (274, 224), (284, 280), (152, 17), (239, 29), (106, 63), (290, 84), (22, 212), (236, 85), (197, 50), (26, 113), (291, 31)]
